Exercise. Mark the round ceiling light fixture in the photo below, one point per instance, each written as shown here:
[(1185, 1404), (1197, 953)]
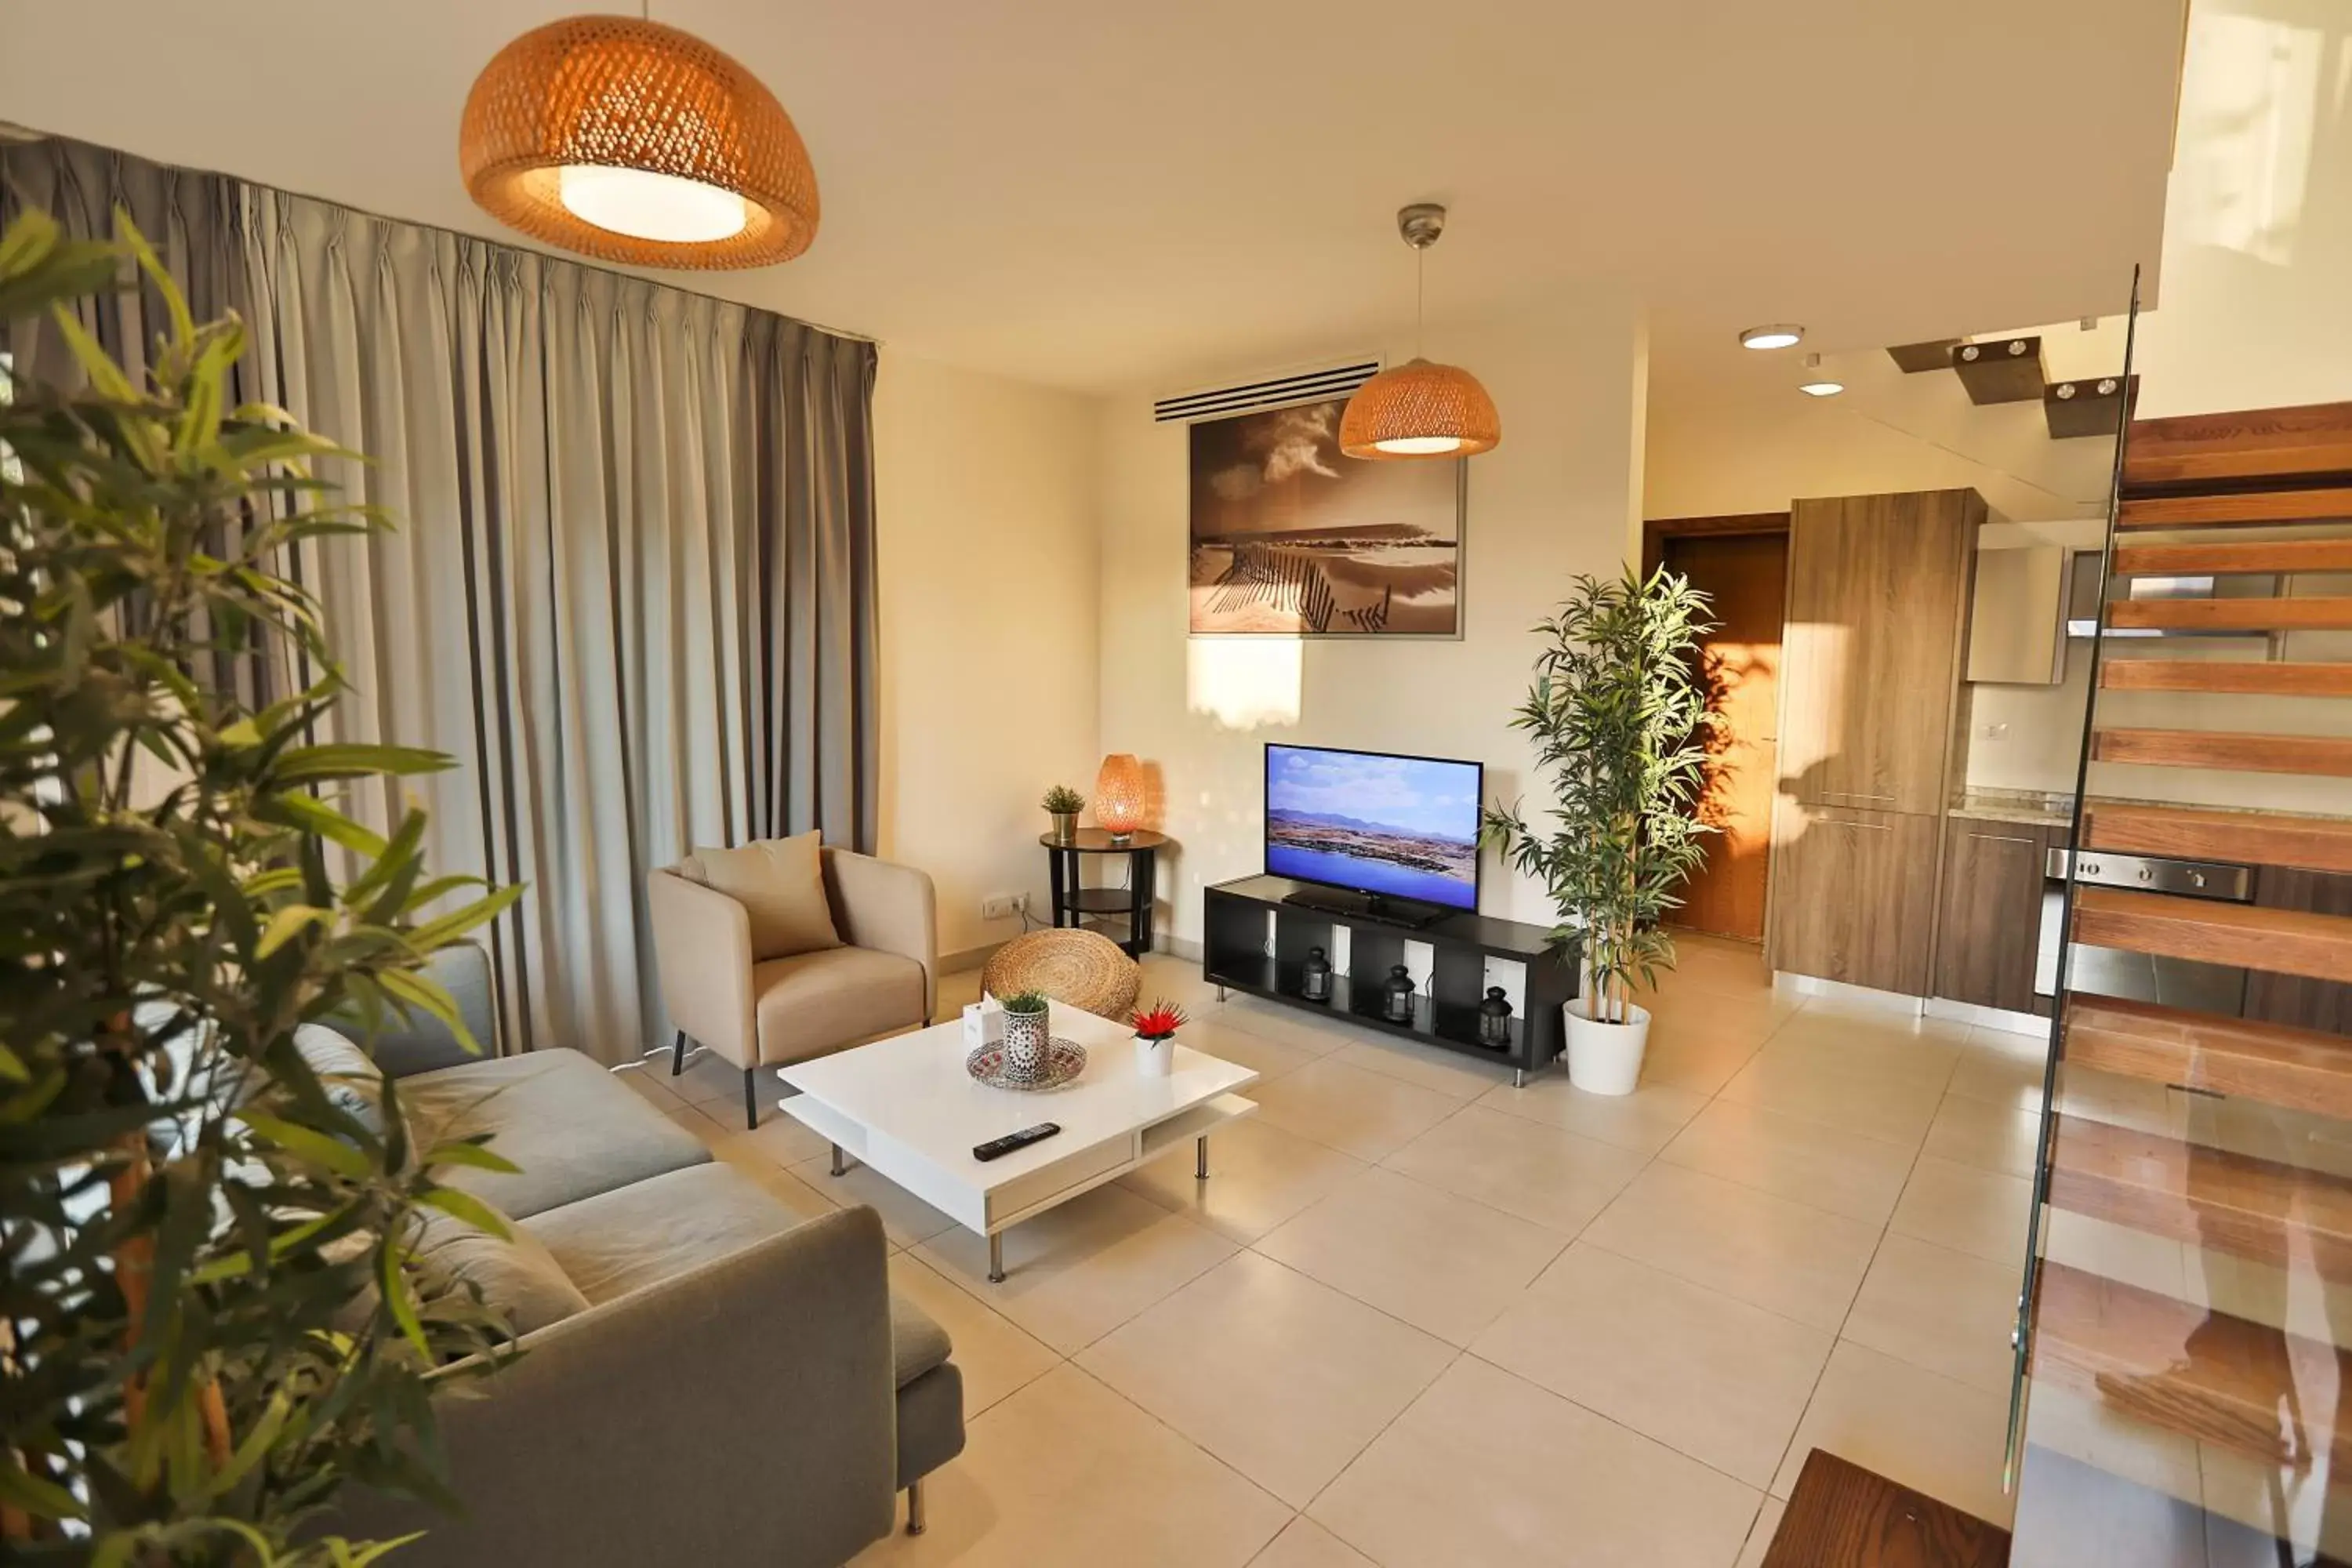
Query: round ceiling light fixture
[(1783, 335), (1818, 384), (622, 138), (1421, 408)]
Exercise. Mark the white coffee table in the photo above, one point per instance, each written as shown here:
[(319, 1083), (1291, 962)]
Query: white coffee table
[(906, 1106)]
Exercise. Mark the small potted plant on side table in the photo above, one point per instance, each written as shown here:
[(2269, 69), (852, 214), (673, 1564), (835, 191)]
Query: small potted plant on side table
[(1063, 804), (1155, 1038)]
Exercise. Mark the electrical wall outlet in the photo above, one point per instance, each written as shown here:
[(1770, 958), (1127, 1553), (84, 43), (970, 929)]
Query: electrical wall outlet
[(1002, 906)]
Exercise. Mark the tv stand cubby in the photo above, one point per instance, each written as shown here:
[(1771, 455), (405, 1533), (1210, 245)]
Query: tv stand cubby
[(1253, 940)]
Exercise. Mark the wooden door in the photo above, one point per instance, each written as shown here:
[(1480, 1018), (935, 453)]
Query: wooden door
[(1745, 576), (1855, 900)]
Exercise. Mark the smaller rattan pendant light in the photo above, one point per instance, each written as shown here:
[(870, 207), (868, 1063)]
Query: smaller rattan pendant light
[(1420, 409), (628, 140)]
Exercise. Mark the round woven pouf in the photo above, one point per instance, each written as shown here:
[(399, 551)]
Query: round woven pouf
[(1082, 968)]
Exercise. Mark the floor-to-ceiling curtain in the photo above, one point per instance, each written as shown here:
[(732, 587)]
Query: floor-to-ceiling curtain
[(632, 586)]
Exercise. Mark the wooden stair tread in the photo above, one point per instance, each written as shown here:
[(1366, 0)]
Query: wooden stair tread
[(2124, 1347), (1843, 1516), (2297, 1070), (2315, 613), (2264, 677), (2232, 555), (2332, 504), (2256, 838), (2248, 936), (2324, 755), (2255, 443), (2206, 1198)]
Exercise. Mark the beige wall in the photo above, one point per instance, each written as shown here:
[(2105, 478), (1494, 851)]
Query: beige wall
[(985, 504), (1558, 497)]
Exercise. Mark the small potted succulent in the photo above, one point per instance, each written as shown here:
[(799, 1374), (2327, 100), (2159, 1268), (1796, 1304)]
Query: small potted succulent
[(1028, 1035), (1155, 1038), (1063, 804)]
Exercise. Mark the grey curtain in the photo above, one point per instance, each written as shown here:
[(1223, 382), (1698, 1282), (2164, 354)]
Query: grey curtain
[(632, 589)]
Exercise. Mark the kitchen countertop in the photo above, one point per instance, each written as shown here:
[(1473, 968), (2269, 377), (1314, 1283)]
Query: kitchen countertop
[(2023, 806)]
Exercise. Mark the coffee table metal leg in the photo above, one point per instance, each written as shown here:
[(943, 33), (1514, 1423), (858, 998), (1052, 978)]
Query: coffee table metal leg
[(996, 1258), (1200, 1157), (838, 1168)]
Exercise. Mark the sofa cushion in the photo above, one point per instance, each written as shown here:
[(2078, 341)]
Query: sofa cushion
[(572, 1128), (519, 1277), (917, 1343), (640, 1235), (780, 882), (819, 1002)]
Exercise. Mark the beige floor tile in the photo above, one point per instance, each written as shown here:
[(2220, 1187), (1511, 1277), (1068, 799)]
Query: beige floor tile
[(1879, 1015), (1709, 1377), (2301, 1509), (1282, 1378), (1926, 1432), (1167, 977), (1486, 1468), (650, 1083), (956, 990), (2084, 1427), (1759, 1534), (1259, 1176), (1306, 1545), (906, 1218), (1644, 1120), (1968, 1210), (2002, 1070), (2118, 1252), (710, 1079), (1077, 1272), (1368, 1114), (1442, 1263), (1537, 1173), (1317, 1033), (1947, 1312), (778, 1138), (701, 1123), (1262, 1054), (994, 1355), (794, 1193), (1430, 1066), (1868, 1089), (1066, 1474), (1991, 1137), (1847, 1173), (1699, 1058), (1769, 1252), (2127, 1101)]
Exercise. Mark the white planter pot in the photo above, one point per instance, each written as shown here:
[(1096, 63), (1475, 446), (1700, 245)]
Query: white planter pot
[(1606, 1058), (1155, 1058)]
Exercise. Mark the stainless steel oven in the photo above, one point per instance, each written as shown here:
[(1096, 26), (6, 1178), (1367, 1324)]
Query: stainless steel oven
[(2111, 972)]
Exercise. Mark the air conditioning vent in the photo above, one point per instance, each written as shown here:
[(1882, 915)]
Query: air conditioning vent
[(1317, 385)]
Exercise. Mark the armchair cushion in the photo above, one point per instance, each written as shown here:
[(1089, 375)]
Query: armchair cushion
[(781, 885), (821, 1002)]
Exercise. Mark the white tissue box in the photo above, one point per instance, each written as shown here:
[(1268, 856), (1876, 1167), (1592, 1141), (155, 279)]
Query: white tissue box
[(983, 1022)]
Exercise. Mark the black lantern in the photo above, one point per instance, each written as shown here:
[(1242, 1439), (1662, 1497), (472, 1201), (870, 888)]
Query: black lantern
[(1494, 1019), (1397, 1006), (1315, 976)]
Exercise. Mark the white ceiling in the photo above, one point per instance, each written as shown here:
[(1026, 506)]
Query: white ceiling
[(1121, 193)]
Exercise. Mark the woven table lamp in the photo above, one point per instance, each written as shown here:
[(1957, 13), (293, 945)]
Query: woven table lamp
[(629, 140), (1118, 795)]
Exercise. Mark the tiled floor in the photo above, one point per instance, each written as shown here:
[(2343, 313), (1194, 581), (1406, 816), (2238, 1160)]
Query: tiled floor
[(1418, 1317)]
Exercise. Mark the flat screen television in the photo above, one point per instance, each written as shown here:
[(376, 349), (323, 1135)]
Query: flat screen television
[(1374, 823)]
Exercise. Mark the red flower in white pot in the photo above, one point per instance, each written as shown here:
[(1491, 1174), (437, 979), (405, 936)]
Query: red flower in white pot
[(1155, 1038)]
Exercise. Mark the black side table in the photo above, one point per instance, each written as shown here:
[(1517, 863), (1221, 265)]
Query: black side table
[(1073, 901)]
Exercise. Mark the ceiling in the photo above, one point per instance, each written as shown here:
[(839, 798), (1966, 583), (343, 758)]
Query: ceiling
[(1117, 193)]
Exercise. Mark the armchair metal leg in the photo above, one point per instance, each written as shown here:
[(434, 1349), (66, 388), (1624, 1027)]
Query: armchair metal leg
[(750, 1106), (678, 1056), (916, 1522)]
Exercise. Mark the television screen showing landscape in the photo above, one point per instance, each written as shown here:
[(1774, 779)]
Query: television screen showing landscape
[(1406, 828), (1290, 536)]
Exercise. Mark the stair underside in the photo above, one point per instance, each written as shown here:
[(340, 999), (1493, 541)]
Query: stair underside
[(2185, 1192), (2206, 1376), (2332, 504), (2296, 1070), (2246, 936), (2262, 677), (2254, 838), (2233, 555), (2323, 754), (2307, 615)]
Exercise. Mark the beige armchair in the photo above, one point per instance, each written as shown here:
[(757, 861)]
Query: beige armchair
[(883, 980)]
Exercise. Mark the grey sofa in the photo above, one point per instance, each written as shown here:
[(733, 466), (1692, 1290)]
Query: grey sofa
[(714, 1378)]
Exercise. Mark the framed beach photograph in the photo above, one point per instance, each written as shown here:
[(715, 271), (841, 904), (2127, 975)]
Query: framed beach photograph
[(1289, 536)]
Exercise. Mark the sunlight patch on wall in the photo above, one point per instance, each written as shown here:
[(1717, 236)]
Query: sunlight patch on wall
[(1245, 683), (2249, 110)]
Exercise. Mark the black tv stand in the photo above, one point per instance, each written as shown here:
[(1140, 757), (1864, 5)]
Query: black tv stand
[(1256, 930), (1377, 908)]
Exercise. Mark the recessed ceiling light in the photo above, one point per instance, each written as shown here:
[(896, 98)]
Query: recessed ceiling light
[(1821, 388), (1774, 337)]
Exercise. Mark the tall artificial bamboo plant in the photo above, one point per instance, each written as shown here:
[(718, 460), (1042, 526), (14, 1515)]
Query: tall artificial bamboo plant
[(1619, 717), (209, 1317)]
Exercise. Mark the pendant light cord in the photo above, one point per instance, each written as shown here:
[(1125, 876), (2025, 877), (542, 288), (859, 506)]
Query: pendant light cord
[(1420, 297)]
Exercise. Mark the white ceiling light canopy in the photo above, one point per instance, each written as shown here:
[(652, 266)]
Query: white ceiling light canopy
[(1780, 335), (1817, 384)]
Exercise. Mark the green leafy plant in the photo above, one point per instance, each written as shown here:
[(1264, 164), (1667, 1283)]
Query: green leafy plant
[(1064, 801), (1619, 717), (210, 1319), (1024, 1003)]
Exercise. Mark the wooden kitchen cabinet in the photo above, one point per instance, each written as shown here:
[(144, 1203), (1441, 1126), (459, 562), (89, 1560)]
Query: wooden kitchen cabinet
[(1878, 591), (1991, 928), (1853, 896)]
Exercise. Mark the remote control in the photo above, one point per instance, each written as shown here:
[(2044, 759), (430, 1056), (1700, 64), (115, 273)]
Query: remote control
[(995, 1147)]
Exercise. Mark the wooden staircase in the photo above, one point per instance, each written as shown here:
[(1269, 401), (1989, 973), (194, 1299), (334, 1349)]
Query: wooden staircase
[(2220, 1390)]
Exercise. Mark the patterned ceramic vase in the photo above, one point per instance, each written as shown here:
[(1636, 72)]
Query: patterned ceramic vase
[(1026, 1037)]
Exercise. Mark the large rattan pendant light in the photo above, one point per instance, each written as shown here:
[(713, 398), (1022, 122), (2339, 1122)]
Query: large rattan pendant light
[(628, 140), (1420, 409)]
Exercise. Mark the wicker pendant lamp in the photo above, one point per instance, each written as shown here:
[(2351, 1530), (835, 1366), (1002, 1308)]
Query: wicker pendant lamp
[(628, 140), (1420, 409)]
